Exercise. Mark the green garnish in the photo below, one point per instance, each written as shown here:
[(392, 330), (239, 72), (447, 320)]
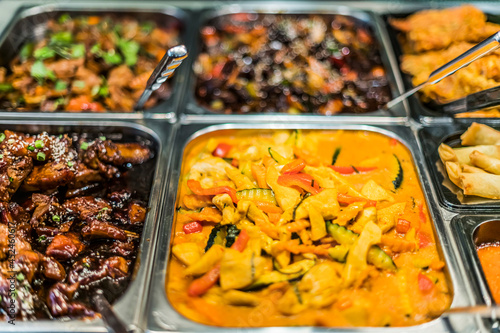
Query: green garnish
[(31, 148), (11, 179), (2, 137), (96, 49), (95, 90), (335, 155), (60, 86), (147, 27), (26, 51), (1, 155), (102, 138), (40, 72), (70, 163), (39, 144), (42, 238), (78, 51), (112, 58), (20, 277), (129, 49), (56, 218), (5, 87), (84, 146), (44, 53), (40, 156), (64, 18), (86, 264), (62, 37), (79, 84), (104, 91)]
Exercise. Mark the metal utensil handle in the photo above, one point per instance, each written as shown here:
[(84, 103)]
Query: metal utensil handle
[(473, 102), (488, 45), (165, 68)]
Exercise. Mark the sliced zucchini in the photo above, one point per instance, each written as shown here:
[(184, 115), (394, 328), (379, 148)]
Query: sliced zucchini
[(271, 278), (399, 176), (295, 138), (307, 195), (277, 157), (259, 194), (339, 252), (376, 256), (299, 267), (224, 235)]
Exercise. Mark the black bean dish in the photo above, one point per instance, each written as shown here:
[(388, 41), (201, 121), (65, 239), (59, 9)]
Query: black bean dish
[(290, 63), (69, 222)]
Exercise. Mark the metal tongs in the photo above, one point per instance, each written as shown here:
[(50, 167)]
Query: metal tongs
[(481, 100), (170, 61), (113, 323), (488, 45)]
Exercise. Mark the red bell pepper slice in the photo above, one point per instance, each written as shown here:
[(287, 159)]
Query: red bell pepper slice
[(424, 239), (347, 170), (302, 180), (425, 284), (202, 284), (348, 199), (222, 150), (192, 227), (195, 186), (403, 226), (293, 167)]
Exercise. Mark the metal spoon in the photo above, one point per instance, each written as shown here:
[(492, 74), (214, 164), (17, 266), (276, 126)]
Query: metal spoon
[(112, 322), (165, 68), (488, 45)]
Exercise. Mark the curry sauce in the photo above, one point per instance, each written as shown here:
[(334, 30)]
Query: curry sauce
[(303, 228)]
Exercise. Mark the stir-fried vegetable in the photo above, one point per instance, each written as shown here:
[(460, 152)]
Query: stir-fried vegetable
[(309, 242), (86, 63)]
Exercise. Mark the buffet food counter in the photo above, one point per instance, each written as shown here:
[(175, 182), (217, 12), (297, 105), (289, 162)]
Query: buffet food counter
[(264, 186)]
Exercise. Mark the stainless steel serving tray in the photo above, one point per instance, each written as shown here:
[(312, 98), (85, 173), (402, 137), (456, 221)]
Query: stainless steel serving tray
[(194, 110), (29, 22), (471, 231), (161, 316), (156, 134), (427, 112), (430, 138)]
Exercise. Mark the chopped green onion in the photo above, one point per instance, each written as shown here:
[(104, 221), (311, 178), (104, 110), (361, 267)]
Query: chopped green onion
[(20, 277), (1, 155), (147, 27), (42, 238), (102, 138), (31, 148), (40, 156), (95, 90), (84, 146), (44, 53), (96, 49), (60, 86), (2, 137), (39, 144), (112, 58), (104, 91), (11, 179), (86, 264), (56, 218), (70, 163)]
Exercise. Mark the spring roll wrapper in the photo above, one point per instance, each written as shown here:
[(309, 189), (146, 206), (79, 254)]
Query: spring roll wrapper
[(485, 162), (454, 172), (485, 185), (463, 154), (471, 169), (480, 134), (447, 154)]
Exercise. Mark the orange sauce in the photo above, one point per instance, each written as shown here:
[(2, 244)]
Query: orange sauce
[(416, 293), (489, 255)]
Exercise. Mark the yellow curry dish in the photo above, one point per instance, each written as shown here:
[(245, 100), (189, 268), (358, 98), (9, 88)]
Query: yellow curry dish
[(303, 228)]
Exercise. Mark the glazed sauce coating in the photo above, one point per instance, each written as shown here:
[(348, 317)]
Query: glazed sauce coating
[(322, 64), (489, 255)]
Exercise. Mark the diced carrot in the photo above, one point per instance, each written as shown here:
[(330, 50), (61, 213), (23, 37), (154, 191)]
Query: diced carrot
[(202, 284), (347, 200), (403, 226), (425, 284), (93, 20), (192, 227), (424, 239)]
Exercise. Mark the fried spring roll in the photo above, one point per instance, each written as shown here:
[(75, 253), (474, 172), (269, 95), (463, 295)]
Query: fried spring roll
[(471, 169), (454, 173), (480, 134), (485, 162), (447, 154), (463, 154), (481, 184)]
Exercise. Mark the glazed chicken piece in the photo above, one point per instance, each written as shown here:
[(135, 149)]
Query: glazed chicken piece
[(49, 176), (60, 304), (13, 174), (64, 247), (88, 206), (97, 229)]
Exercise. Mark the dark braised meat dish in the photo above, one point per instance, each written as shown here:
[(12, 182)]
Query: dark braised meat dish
[(290, 63), (68, 222), (87, 63)]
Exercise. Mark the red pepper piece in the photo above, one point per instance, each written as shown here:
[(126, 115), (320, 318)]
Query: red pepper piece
[(403, 226), (424, 283), (222, 150), (301, 180), (348, 199), (293, 167), (192, 227), (195, 186)]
